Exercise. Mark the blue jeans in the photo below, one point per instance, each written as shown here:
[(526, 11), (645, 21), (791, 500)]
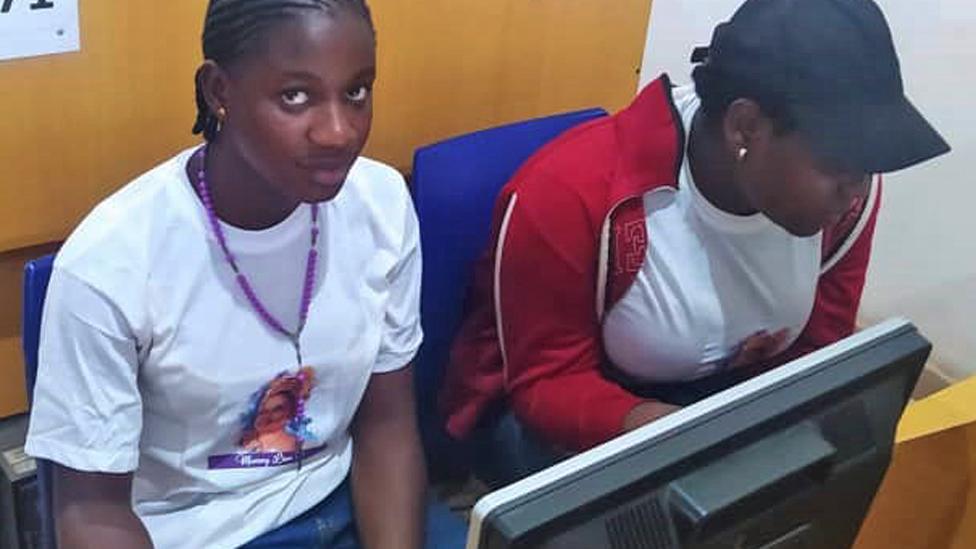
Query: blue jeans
[(502, 450), (332, 524)]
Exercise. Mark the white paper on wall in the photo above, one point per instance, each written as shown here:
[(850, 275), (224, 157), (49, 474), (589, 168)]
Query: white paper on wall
[(38, 27)]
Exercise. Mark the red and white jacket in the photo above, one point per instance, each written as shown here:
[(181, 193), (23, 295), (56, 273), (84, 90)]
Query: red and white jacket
[(568, 238)]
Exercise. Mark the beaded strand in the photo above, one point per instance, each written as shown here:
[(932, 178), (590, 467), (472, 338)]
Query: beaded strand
[(242, 280)]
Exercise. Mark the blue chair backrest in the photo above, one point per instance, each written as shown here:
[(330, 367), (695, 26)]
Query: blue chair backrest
[(455, 183), (37, 274)]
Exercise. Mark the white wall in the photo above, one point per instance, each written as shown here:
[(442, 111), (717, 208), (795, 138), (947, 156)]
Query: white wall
[(924, 262)]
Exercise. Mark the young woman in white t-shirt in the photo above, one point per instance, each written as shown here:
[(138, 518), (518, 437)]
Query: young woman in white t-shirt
[(226, 342)]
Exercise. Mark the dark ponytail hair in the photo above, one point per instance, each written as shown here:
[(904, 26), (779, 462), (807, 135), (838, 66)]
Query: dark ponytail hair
[(718, 89), (233, 28)]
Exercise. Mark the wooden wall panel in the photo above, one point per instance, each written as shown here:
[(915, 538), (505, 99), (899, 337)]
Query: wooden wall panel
[(453, 66), (76, 126)]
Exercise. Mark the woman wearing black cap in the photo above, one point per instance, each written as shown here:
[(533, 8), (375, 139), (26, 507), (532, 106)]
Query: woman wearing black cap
[(690, 241)]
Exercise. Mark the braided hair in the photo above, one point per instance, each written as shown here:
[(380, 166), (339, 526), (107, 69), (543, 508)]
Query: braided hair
[(233, 29)]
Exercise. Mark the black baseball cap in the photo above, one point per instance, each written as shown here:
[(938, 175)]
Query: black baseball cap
[(833, 64)]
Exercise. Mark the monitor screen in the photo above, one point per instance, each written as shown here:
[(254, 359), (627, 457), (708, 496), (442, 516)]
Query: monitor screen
[(789, 459)]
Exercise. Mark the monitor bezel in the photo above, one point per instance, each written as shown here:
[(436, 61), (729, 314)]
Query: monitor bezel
[(596, 461)]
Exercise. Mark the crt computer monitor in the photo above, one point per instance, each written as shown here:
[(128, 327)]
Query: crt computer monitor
[(789, 459)]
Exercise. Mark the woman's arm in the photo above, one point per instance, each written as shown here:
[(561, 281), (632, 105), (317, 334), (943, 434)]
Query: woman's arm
[(839, 290), (389, 477), (95, 510), (87, 412), (544, 291)]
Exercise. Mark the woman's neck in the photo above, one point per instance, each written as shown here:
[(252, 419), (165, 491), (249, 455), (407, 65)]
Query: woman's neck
[(241, 196), (714, 170)]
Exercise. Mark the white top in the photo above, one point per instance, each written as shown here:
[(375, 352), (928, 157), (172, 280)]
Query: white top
[(710, 280), (152, 360)]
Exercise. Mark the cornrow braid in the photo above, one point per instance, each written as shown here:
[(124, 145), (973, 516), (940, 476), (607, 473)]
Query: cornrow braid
[(233, 28)]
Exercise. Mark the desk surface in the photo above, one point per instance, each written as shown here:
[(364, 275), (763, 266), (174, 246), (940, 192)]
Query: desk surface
[(944, 410)]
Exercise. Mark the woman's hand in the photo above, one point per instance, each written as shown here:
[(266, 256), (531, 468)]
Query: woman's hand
[(647, 412), (758, 347)]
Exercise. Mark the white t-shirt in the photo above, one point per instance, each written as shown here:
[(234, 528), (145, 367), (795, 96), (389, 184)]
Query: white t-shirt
[(152, 360), (709, 280)]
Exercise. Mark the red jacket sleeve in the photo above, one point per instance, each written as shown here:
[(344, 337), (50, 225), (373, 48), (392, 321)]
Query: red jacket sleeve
[(550, 333), (839, 291)]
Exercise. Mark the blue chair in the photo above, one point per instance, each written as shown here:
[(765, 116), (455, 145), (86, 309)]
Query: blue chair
[(37, 273), (455, 183)]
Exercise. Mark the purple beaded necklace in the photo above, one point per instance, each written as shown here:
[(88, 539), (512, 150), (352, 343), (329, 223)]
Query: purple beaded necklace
[(244, 283)]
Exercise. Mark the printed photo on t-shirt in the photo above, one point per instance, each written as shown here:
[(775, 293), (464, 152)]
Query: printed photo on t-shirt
[(275, 427)]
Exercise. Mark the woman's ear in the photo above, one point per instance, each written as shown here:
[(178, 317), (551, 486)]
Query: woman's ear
[(745, 127), (213, 82)]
